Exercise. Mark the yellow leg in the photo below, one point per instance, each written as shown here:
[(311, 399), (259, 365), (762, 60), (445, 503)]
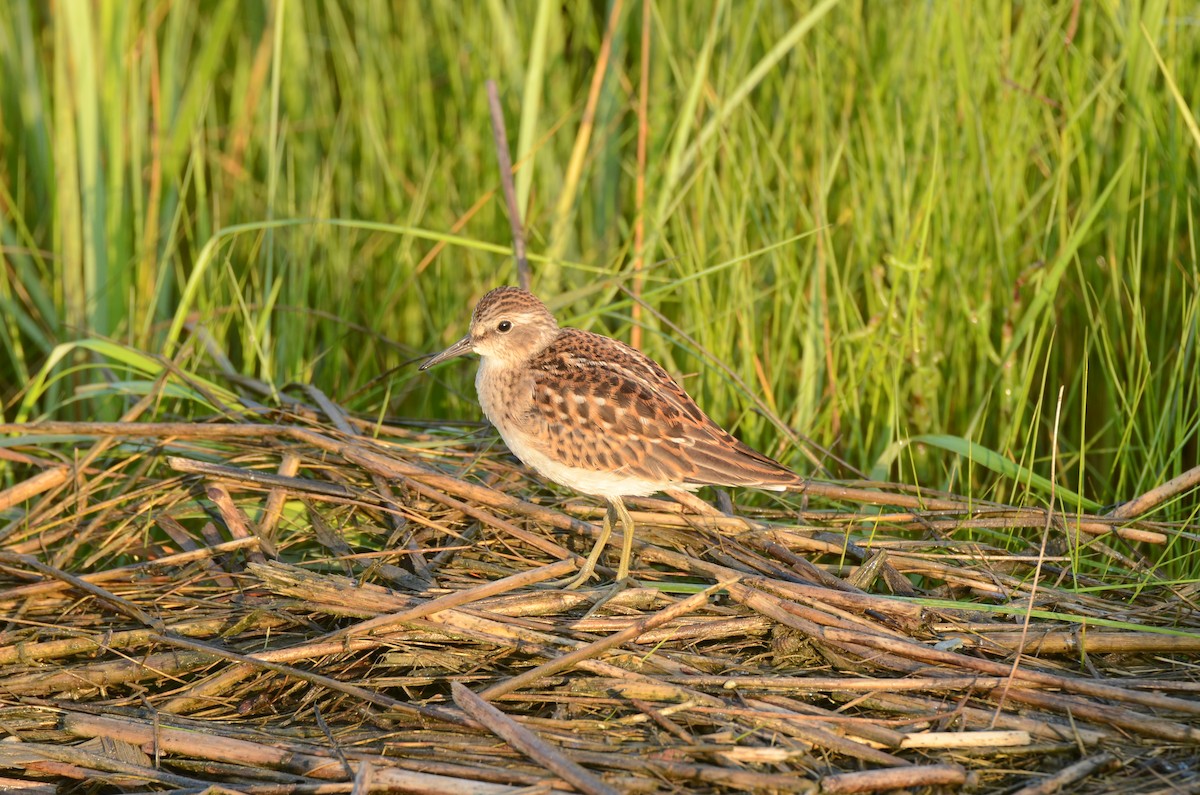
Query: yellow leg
[(589, 566), (627, 540)]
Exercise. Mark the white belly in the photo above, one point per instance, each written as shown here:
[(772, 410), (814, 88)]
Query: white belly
[(610, 483)]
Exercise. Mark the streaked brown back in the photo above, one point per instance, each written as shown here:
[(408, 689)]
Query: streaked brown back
[(605, 406)]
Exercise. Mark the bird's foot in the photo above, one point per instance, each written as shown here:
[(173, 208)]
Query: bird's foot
[(586, 572), (608, 592)]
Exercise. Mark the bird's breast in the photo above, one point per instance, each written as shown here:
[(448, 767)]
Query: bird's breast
[(505, 394)]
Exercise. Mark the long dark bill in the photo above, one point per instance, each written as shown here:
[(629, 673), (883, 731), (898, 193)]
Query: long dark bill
[(460, 348)]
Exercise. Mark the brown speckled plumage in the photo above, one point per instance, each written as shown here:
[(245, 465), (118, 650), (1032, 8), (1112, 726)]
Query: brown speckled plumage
[(633, 418), (594, 414)]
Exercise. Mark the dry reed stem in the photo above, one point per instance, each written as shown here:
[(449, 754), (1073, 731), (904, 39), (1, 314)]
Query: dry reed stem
[(527, 742), (32, 487), (1070, 775)]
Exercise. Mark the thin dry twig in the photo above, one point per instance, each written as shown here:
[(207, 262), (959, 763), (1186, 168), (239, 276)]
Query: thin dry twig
[(504, 160), (1071, 774), (527, 742)]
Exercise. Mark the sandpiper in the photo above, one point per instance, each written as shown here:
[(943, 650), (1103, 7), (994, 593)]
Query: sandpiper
[(596, 415)]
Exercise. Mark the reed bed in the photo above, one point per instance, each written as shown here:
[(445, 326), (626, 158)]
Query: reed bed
[(304, 601)]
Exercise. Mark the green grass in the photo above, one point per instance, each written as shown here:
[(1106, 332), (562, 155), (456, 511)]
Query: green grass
[(875, 222)]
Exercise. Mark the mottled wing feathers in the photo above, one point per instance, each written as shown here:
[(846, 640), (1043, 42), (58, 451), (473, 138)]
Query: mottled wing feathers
[(601, 405)]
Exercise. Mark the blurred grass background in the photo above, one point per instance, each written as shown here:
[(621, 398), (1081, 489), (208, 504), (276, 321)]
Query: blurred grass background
[(888, 231)]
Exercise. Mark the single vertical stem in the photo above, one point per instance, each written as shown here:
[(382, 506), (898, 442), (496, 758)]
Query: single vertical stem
[(500, 135)]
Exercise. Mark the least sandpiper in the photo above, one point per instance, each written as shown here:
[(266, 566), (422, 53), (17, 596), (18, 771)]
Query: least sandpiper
[(594, 414)]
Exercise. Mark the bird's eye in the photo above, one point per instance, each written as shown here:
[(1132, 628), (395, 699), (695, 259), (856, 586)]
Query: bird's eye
[(504, 327)]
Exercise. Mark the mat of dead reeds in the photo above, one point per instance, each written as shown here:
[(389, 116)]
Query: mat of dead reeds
[(304, 602)]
